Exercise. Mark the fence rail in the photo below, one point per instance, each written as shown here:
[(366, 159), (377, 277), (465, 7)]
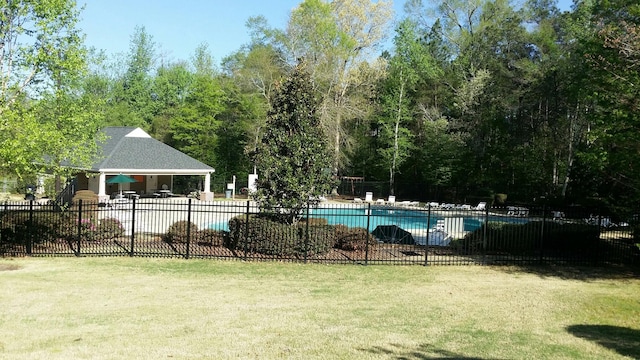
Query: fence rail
[(359, 233)]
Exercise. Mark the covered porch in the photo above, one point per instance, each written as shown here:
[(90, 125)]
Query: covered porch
[(146, 184)]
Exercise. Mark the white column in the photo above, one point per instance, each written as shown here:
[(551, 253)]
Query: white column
[(207, 183), (102, 185)]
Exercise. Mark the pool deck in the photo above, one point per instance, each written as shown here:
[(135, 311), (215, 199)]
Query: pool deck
[(155, 216)]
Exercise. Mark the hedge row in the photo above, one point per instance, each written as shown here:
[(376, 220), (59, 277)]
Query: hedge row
[(16, 227), (531, 238), (264, 236), (180, 231)]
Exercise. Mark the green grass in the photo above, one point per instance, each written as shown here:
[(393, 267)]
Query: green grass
[(132, 308)]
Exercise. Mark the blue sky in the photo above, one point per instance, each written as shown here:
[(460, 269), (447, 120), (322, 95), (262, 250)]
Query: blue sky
[(178, 27)]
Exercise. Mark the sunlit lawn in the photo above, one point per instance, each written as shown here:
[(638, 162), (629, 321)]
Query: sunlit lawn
[(133, 308)]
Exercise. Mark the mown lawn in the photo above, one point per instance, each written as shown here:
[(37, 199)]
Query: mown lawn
[(133, 308)]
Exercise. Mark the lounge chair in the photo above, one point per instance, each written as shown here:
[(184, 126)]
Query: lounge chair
[(391, 200), (368, 197), (446, 206), (357, 200), (481, 206)]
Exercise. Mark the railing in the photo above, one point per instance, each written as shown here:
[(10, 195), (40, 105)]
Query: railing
[(361, 233), (65, 197)]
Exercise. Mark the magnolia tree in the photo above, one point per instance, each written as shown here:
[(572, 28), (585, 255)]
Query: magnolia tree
[(292, 156)]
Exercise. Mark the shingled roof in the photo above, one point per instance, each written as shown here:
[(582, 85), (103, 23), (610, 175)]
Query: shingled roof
[(131, 150)]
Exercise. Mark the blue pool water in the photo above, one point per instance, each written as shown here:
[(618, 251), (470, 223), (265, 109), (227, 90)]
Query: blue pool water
[(404, 218)]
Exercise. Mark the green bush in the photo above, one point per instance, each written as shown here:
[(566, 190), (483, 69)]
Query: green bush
[(13, 227), (178, 232), (352, 239), (44, 226), (265, 236), (108, 229), (314, 221), (210, 237), (526, 239), (322, 238)]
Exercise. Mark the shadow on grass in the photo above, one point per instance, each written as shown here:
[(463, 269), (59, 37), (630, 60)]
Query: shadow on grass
[(582, 273), (422, 352), (624, 341)]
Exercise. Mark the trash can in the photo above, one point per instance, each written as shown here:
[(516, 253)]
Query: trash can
[(227, 194), (30, 192)]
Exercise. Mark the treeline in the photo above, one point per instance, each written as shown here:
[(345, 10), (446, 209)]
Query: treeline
[(470, 98)]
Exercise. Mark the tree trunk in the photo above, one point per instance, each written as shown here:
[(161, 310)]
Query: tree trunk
[(392, 170)]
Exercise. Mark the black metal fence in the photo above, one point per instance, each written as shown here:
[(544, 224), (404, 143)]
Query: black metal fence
[(360, 233)]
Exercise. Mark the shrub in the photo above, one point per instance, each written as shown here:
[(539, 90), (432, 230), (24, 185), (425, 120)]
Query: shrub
[(526, 239), (178, 232), (322, 238), (313, 221), (108, 229), (210, 237), (352, 239), (265, 236), (44, 226), (13, 227)]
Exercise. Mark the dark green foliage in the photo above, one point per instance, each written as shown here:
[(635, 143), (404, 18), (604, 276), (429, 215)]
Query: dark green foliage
[(292, 157), (108, 229), (352, 239), (209, 237), (13, 227), (315, 221), (526, 239), (265, 236), (180, 231), (45, 226)]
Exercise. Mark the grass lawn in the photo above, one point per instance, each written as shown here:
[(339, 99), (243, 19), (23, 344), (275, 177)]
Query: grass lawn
[(134, 308)]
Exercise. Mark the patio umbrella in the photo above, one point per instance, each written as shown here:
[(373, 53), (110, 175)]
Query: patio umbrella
[(121, 179), (393, 234)]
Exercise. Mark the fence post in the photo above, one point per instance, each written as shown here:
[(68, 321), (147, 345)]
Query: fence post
[(426, 244), (133, 227), (5, 208), (544, 222), (30, 232), (79, 227), (306, 234), (366, 246), (246, 230), (485, 237), (186, 256), (599, 234)]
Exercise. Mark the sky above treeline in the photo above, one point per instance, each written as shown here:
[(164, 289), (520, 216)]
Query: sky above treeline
[(179, 27)]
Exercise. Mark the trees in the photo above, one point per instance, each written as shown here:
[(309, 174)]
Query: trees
[(410, 64), (42, 60), (135, 90), (605, 41), (194, 126), (336, 38), (292, 157)]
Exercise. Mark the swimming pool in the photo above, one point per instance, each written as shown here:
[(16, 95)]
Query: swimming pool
[(404, 218), (408, 219)]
